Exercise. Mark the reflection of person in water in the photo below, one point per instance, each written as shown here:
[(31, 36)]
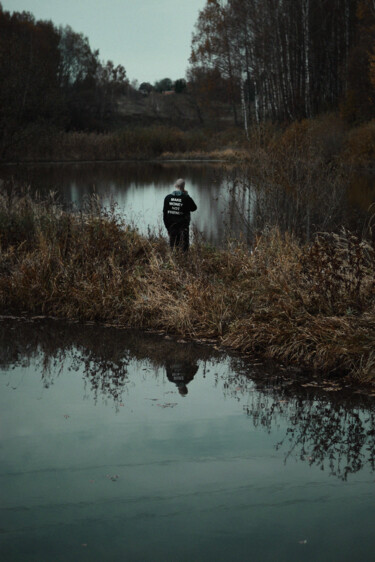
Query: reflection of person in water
[(181, 373)]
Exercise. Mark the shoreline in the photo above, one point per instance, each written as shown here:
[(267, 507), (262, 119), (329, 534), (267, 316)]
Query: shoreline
[(115, 161), (302, 377), (209, 156), (248, 158), (360, 169), (310, 305), (282, 302), (325, 139)]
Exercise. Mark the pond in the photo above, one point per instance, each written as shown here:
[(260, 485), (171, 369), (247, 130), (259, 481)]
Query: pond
[(230, 203), (116, 445), (138, 191)]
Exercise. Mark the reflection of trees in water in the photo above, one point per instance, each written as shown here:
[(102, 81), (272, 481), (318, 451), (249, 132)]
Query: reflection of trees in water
[(323, 201), (105, 376), (102, 354), (135, 190), (233, 201), (50, 345), (334, 434), (328, 435), (84, 177)]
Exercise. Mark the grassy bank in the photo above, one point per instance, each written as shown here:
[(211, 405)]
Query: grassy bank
[(137, 143), (312, 306), (326, 138)]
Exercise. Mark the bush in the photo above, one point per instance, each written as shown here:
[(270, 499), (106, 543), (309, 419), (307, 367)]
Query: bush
[(360, 145)]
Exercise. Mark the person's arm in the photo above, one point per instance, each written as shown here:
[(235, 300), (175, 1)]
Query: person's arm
[(191, 203), (165, 213)]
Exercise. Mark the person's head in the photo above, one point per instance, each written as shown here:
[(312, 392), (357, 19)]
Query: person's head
[(180, 184), (182, 389)]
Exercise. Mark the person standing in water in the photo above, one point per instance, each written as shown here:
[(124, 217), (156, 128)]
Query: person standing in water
[(176, 215)]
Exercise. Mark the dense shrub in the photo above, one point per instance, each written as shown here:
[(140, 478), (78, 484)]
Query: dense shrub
[(360, 145)]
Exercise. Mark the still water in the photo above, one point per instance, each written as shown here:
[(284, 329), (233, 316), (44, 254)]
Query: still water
[(138, 191), (231, 202), (121, 446)]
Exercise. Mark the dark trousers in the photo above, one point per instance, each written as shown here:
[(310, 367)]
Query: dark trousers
[(179, 238)]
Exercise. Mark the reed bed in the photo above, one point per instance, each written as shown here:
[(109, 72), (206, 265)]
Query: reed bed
[(137, 143), (308, 305), (324, 140)]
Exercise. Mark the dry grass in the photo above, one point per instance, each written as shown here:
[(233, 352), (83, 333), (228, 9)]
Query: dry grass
[(324, 140), (131, 143), (227, 154), (360, 145), (311, 305)]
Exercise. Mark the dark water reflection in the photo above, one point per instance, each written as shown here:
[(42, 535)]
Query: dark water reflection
[(117, 445), (137, 190), (231, 202)]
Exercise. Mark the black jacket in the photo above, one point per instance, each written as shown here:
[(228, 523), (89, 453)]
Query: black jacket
[(177, 208)]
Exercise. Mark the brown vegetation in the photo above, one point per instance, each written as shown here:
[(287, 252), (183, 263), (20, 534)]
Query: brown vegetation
[(360, 145), (311, 305), (138, 143), (326, 140)]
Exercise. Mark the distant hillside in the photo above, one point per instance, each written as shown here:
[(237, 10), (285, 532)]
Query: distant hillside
[(180, 110)]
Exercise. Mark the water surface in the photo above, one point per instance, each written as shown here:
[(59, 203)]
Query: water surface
[(137, 191), (231, 203), (120, 446)]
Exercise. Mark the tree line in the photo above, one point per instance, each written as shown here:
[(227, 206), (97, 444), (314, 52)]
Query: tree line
[(164, 85), (50, 77), (267, 59), (286, 59)]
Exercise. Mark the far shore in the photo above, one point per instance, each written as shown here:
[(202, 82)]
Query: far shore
[(219, 156), (233, 158), (109, 161), (325, 139)]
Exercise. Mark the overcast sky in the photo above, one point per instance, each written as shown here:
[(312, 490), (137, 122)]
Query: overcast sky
[(150, 38)]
